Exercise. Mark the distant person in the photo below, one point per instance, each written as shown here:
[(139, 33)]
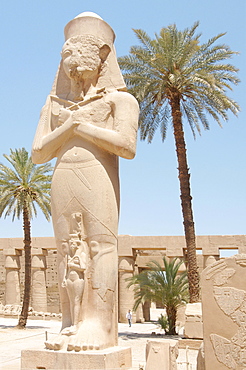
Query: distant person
[(129, 317)]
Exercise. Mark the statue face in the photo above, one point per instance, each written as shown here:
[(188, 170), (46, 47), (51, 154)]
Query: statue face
[(80, 60), (74, 244)]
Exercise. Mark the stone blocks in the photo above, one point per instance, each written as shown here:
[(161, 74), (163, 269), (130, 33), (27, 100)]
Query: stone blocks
[(193, 321), (107, 359), (161, 355)]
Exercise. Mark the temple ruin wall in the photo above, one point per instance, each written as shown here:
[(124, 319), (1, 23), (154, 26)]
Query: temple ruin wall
[(133, 251)]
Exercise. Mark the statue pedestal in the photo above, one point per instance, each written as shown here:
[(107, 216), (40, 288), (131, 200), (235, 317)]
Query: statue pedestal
[(109, 358)]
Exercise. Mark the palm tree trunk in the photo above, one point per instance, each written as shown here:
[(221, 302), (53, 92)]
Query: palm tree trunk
[(27, 287), (171, 316), (184, 180)]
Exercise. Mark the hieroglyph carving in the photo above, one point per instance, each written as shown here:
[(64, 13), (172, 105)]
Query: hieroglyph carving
[(87, 122), (223, 350), (222, 278), (232, 301)]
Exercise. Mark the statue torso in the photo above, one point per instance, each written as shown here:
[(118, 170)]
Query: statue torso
[(96, 111)]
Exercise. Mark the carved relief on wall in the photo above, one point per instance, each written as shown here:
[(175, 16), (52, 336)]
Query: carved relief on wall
[(229, 351)]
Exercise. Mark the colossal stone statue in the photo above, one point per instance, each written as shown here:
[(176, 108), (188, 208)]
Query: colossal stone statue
[(88, 120)]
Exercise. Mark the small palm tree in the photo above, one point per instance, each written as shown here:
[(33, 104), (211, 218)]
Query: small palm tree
[(22, 188), (164, 285), (174, 77)]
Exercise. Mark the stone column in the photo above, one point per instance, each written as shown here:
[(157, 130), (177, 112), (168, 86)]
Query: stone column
[(39, 294), (146, 311), (12, 285), (126, 296), (139, 312)]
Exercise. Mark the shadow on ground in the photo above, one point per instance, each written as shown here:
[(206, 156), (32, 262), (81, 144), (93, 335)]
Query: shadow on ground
[(26, 328), (128, 335)]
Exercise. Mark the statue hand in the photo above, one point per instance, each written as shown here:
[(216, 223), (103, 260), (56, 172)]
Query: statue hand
[(66, 119), (37, 146), (64, 115)]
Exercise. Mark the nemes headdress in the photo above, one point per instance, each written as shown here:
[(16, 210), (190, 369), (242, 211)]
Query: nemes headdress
[(90, 24)]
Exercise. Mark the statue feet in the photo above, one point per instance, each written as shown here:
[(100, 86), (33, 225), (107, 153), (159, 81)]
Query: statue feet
[(71, 330), (61, 340), (55, 344), (90, 336)]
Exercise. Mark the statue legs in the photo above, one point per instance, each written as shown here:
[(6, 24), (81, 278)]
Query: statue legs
[(98, 325), (85, 229)]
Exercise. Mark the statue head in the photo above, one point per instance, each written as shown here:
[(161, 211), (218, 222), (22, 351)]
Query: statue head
[(84, 55), (74, 244), (89, 47)]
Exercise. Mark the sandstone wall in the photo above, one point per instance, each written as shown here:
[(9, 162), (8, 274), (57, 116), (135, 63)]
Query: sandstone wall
[(134, 252)]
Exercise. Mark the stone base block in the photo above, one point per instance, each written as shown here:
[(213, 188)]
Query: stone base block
[(193, 321), (161, 355), (193, 329), (108, 359)]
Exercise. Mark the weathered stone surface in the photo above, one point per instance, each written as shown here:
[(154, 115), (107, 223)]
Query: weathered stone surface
[(127, 246), (193, 321), (190, 343), (161, 355), (126, 298), (88, 121), (108, 359), (12, 276), (224, 313)]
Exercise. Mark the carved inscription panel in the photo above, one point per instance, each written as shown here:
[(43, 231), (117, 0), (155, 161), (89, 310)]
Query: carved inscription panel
[(224, 313)]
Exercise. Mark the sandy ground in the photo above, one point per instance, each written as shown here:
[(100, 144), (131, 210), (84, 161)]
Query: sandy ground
[(13, 341)]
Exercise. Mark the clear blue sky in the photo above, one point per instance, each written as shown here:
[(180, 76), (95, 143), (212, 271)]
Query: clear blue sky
[(32, 37)]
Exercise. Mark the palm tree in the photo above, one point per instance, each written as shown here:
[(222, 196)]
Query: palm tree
[(22, 188), (168, 287), (174, 77)]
